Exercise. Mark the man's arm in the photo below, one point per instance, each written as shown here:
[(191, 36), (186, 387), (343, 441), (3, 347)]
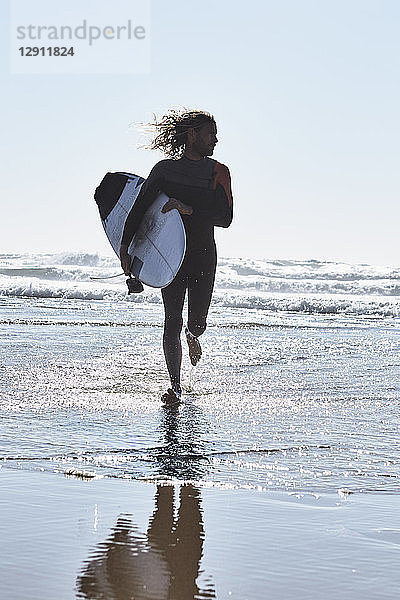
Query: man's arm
[(149, 191), (216, 205)]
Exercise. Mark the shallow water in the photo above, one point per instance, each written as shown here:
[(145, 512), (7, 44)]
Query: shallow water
[(278, 402), (278, 474)]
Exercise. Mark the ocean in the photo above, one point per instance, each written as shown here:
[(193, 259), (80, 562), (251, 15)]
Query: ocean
[(297, 390), (278, 475)]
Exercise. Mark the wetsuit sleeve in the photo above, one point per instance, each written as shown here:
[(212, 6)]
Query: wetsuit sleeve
[(216, 205), (148, 193)]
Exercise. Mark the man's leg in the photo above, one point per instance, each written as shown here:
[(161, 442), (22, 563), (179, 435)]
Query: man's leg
[(173, 298), (200, 289)]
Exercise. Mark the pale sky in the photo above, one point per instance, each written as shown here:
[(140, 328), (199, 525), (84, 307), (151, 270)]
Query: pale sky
[(306, 96)]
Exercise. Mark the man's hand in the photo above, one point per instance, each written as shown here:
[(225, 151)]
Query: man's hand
[(125, 259), (172, 203)]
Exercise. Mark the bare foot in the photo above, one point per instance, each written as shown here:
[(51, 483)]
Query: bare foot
[(171, 398), (194, 347)]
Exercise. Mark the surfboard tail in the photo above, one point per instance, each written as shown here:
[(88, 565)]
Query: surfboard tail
[(110, 190)]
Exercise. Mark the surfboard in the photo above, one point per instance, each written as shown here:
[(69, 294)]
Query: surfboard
[(158, 248)]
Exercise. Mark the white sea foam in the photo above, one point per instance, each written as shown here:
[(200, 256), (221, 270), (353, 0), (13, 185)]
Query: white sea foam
[(291, 286)]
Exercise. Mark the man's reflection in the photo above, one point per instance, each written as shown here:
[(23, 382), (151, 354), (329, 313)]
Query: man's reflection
[(182, 451), (164, 565)]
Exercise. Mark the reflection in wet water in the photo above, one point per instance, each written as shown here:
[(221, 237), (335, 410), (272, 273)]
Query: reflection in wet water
[(164, 564), (181, 453)]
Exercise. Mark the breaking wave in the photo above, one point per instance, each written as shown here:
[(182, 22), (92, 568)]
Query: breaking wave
[(290, 286)]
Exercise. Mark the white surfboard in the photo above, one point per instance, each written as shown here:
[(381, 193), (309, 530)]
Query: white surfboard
[(158, 248)]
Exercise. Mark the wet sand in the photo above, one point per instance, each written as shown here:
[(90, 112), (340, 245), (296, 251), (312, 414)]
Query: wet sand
[(283, 414), (107, 538)]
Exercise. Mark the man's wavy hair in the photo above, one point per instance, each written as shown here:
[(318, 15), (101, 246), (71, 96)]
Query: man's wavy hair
[(171, 130)]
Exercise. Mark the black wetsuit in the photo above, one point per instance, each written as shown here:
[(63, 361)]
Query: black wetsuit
[(205, 186)]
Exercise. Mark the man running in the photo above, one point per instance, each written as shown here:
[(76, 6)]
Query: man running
[(200, 189)]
